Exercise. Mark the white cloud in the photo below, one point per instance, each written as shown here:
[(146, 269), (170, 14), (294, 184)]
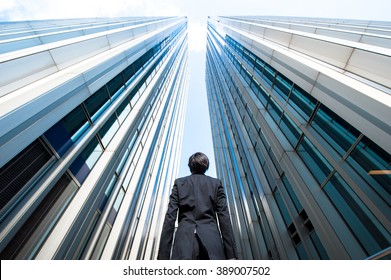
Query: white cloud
[(44, 9), (49, 9), (7, 4), (162, 8)]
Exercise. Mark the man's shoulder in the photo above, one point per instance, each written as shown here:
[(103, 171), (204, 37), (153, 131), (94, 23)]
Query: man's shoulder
[(181, 179), (199, 178), (214, 180)]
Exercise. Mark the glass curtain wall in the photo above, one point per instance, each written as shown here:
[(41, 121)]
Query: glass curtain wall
[(105, 149), (257, 111)]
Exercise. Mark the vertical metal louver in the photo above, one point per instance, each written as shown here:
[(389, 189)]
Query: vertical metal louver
[(16, 173), (25, 243)]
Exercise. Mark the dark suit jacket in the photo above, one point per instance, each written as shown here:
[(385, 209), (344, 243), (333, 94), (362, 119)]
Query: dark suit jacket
[(199, 198)]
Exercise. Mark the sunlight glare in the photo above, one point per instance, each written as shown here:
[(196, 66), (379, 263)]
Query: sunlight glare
[(197, 36)]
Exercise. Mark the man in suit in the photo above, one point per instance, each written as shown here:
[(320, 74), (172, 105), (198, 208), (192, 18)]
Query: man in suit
[(200, 199)]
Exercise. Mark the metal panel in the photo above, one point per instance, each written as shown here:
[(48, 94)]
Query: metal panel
[(24, 70), (118, 38), (362, 111), (71, 54), (325, 51), (373, 66), (380, 41), (279, 37)]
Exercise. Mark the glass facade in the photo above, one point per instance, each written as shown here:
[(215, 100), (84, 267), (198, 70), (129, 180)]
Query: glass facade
[(89, 179), (299, 166)]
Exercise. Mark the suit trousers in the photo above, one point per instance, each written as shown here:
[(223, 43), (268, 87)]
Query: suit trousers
[(199, 250)]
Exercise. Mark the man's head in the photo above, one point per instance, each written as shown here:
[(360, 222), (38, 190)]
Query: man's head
[(198, 163)]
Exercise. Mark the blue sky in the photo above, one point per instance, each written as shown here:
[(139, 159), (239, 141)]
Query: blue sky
[(197, 129)]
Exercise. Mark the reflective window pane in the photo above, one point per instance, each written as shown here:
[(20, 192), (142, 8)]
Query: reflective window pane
[(275, 110), (123, 110), (292, 194), (302, 102), (367, 159), (115, 208), (97, 103), (313, 159), (367, 229), (128, 74), (116, 86), (290, 130), (268, 75), (106, 133), (83, 164), (281, 206), (63, 134), (282, 86), (335, 130), (319, 246)]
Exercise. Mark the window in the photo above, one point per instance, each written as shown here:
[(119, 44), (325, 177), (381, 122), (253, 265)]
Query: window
[(301, 252), (259, 65), (100, 245), (138, 65), (313, 235), (292, 194), (133, 94), (248, 56), (318, 246), (64, 133), (275, 110), (260, 154), (123, 110), (334, 130), (306, 221), (367, 157), (302, 102), (254, 86), (236, 64), (107, 194), (115, 208), (268, 75), (83, 164), (291, 228), (367, 229), (281, 206), (246, 75), (128, 74), (294, 234), (104, 235), (290, 130), (263, 96), (97, 103), (282, 86), (315, 162), (116, 86), (106, 133)]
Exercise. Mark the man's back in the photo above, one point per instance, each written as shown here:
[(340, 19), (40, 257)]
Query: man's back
[(199, 199), (197, 195)]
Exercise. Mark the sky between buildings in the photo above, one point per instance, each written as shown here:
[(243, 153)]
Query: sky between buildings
[(197, 135)]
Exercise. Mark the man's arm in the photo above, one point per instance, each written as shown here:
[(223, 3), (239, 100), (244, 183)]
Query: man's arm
[(169, 226), (225, 224)]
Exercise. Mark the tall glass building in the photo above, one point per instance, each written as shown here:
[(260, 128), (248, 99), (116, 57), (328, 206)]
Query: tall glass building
[(300, 111), (91, 121)]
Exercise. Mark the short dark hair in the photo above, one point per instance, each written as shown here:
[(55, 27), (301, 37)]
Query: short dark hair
[(198, 163)]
